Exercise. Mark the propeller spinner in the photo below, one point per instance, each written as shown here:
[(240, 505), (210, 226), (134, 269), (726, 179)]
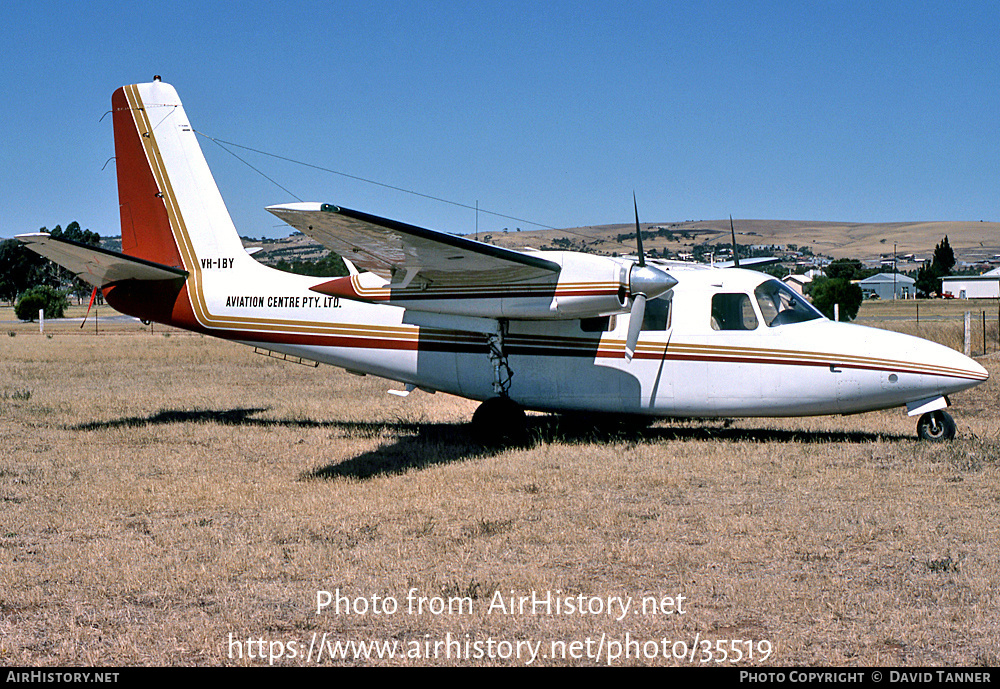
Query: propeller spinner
[(645, 282)]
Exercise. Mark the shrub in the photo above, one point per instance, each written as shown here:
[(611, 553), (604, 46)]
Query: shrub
[(826, 292), (49, 299)]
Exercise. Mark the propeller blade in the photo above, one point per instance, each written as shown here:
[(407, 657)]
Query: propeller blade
[(638, 233), (736, 251), (635, 324)]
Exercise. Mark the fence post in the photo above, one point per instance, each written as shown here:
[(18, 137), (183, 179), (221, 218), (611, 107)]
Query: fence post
[(968, 333)]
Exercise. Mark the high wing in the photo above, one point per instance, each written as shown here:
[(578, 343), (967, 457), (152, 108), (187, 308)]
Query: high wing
[(99, 267), (426, 270), (401, 252)]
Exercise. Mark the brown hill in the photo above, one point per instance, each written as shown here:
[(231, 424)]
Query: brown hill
[(973, 242)]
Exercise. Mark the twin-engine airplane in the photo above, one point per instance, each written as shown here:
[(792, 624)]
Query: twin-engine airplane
[(541, 330)]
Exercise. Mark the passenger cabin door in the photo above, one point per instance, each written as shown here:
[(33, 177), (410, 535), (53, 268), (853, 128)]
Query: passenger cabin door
[(732, 367)]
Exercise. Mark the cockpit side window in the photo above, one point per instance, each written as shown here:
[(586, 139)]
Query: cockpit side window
[(657, 314), (733, 311), (780, 305)]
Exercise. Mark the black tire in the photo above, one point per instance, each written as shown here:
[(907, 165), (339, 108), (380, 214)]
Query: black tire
[(936, 426), (500, 421)]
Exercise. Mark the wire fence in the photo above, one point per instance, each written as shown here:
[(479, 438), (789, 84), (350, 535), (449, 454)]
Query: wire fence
[(969, 326)]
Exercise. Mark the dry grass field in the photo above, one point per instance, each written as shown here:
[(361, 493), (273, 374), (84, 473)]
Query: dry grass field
[(168, 499)]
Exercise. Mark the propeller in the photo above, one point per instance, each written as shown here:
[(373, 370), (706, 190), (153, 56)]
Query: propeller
[(736, 251), (645, 282), (635, 324)]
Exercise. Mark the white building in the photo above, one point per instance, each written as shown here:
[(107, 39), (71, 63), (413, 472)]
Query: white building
[(982, 286)]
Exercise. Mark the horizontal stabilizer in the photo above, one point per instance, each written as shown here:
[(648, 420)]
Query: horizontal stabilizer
[(99, 267)]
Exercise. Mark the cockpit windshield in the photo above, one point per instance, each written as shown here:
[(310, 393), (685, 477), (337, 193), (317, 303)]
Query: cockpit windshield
[(780, 305)]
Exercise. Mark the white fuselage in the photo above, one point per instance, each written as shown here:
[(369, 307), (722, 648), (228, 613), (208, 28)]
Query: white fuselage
[(550, 330), (683, 367)]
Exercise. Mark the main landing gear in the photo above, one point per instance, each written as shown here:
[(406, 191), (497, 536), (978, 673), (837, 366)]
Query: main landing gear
[(500, 421), (936, 425)]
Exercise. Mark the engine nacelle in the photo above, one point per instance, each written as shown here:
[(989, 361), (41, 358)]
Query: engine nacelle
[(585, 287)]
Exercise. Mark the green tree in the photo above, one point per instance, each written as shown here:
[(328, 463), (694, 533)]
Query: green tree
[(330, 265), (844, 268), (49, 300), (825, 292), (928, 280), (21, 268), (74, 233), (944, 258)]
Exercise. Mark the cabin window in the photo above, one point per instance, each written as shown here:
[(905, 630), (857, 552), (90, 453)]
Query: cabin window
[(733, 312), (779, 304), (657, 314)]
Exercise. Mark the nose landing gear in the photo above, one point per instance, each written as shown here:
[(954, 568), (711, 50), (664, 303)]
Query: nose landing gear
[(936, 426)]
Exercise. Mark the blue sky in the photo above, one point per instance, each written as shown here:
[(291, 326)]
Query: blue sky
[(552, 112)]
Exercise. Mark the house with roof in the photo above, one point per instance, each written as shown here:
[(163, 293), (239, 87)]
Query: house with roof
[(888, 286), (797, 282)]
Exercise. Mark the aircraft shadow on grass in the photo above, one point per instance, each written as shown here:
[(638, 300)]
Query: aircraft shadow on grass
[(412, 445)]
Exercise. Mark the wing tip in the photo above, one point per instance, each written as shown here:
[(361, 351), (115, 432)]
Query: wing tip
[(29, 236), (300, 207)]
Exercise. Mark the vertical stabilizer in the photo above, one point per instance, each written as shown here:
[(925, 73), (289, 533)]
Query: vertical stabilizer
[(171, 209)]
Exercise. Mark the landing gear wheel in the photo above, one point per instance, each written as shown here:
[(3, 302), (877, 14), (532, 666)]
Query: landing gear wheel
[(500, 421), (936, 426)]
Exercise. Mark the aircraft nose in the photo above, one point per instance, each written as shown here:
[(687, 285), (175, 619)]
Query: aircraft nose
[(976, 369), (979, 369), (962, 372)]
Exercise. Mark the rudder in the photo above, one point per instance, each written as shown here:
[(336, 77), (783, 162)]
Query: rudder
[(171, 209)]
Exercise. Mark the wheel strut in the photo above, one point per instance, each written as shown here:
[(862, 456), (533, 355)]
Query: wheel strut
[(502, 373)]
